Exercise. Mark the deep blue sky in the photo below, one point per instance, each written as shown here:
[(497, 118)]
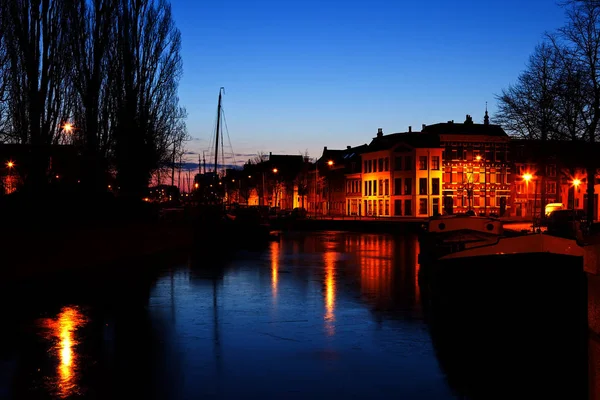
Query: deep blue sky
[(300, 75)]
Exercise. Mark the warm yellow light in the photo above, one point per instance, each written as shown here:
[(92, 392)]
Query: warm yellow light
[(275, 170), (249, 176), (275, 254), (478, 158), (109, 186), (63, 335), (233, 180), (330, 289), (196, 185), (10, 164), (527, 177), (68, 127), (57, 176), (576, 182), (330, 163)]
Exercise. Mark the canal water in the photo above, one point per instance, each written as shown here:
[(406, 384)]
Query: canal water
[(314, 315)]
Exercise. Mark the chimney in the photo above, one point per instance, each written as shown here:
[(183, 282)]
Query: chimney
[(325, 148), (409, 128), (270, 154), (348, 147), (379, 132), (423, 127)]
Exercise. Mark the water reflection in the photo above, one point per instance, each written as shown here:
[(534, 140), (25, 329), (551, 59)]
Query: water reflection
[(275, 250), (62, 332), (314, 315), (330, 259)]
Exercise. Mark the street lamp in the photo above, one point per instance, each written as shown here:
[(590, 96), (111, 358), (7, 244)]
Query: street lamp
[(528, 177), (10, 166), (330, 163), (275, 170), (576, 183)]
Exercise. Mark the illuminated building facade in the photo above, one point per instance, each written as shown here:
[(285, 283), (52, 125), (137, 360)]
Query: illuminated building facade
[(401, 175), (476, 167), (549, 172)]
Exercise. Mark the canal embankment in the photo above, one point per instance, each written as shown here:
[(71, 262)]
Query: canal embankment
[(41, 252)]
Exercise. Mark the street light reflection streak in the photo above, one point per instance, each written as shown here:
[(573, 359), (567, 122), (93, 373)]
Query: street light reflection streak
[(330, 258), (275, 250), (62, 333)]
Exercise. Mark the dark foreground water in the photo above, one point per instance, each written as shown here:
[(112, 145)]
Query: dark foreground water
[(323, 315)]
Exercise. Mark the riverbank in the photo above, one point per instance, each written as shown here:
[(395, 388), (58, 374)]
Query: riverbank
[(370, 224), (41, 252)]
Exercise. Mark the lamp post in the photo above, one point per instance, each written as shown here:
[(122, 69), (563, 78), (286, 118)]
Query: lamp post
[(576, 183), (316, 186), (275, 170), (478, 159), (330, 163), (68, 129), (528, 177), (10, 166)]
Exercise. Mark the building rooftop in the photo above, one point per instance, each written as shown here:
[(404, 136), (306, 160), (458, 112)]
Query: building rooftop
[(466, 128), (413, 139)]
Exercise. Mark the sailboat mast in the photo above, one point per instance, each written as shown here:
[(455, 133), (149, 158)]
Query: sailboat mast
[(218, 129)]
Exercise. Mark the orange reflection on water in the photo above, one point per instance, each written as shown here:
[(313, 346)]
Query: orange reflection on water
[(330, 258), (275, 253), (417, 268), (62, 333), (376, 267)]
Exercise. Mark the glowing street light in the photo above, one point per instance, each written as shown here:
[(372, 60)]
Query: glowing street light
[(275, 170), (527, 178), (330, 163), (10, 164), (576, 183), (478, 158)]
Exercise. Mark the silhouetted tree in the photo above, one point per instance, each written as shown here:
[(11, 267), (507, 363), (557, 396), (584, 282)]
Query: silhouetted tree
[(91, 23), (149, 67), (527, 108), (35, 42), (581, 39), (558, 95)]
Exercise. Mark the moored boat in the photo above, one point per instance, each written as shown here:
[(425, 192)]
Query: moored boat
[(448, 234)]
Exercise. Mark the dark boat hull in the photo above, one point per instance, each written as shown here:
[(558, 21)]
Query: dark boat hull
[(509, 325)]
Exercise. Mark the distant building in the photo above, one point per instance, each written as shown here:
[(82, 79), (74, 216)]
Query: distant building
[(276, 182), (335, 182)]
